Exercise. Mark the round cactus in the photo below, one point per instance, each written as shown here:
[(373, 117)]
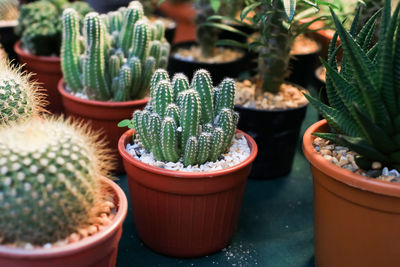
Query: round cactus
[(49, 180), (19, 98)]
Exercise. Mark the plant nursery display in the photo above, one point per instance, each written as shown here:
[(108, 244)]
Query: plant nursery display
[(267, 97), (40, 28), (354, 153), (187, 57), (8, 20), (110, 75), (184, 157)]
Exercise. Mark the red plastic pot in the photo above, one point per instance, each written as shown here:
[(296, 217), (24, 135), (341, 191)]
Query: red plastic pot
[(102, 116), (99, 250), (356, 219), (48, 73), (185, 214)]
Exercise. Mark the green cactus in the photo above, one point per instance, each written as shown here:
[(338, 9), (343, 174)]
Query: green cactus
[(123, 34), (9, 9), (40, 26), (49, 180), (19, 98), (174, 126)]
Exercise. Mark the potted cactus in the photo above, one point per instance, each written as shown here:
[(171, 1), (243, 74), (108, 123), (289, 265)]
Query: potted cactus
[(109, 76), (267, 97), (222, 61), (8, 21), (186, 159), (57, 207), (356, 204), (39, 48)]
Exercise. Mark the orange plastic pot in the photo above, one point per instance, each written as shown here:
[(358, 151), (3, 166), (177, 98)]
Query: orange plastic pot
[(103, 116), (356, 219), (48, 73), (185, 214), (99, 250)]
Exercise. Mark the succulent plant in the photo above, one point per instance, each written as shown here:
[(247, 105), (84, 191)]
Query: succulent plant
[(19, 98), (121, 51), (194, 122), (9, 9), (49, 173), (364, 96), (40, 25)]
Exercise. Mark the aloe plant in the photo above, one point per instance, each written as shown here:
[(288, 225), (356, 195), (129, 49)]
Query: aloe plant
[(278, 23), (364, 96)]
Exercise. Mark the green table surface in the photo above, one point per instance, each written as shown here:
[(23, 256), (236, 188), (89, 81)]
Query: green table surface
[(275, 226)]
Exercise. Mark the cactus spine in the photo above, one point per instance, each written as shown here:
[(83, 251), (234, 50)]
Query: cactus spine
[(124, 34), (180, 122), (49, 177)]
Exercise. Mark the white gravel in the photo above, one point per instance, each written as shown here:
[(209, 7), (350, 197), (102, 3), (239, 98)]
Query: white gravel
[(238, 152)]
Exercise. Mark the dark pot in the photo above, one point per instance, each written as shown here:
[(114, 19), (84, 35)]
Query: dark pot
[(8, 39), (106, 6), (302, 68), (170, 34), (276, 133), (218, 71)]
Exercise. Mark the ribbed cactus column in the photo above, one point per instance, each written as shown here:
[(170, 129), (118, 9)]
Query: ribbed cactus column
[(141, 40), (71, 49), (94, 64), (190, 115)]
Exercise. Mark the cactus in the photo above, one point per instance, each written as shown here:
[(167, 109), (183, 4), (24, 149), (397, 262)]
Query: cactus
[(9, 9), (19, 98), (114, 42), (49, 175), (40, 26), (180, 121)]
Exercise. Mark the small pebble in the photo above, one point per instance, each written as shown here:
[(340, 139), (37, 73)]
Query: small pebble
[(73, 238), (376, 165), (92, 230)]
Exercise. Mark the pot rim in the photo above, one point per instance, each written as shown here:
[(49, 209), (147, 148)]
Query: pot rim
[(21, 52), (190, 43), (179, 174), (340, 174), (70, 249), (97, 103)]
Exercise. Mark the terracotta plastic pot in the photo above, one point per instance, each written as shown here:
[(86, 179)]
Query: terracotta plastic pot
[(103, 116), (99, 250), (48, 73), (356, 219), (185, 214)]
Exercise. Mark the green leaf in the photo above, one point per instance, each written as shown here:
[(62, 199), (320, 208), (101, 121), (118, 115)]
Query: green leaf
[(124, 123), (218, 18), (248, 9), (364, 36), (224, 27), (290, 7), (215, 4), (231, 43)]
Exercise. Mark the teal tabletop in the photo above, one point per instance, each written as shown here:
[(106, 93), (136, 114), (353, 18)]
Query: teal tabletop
[(275, 226)]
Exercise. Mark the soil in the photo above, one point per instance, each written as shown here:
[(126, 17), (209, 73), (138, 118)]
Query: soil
[(168, 23), (345, 158), (107, 214), (222, 55), (321, 73), (289, 96), (303, 45)]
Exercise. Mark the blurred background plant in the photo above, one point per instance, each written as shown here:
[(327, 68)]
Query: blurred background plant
[(40, 25)]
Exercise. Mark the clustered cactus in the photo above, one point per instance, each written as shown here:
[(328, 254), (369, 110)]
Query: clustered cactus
[(195, 122), (122, 50), (9, 9), (19, 98), (49, 180), (364, 95), (40, 25)]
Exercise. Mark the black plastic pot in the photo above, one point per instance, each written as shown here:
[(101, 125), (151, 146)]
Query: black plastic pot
[(170, 34), (7, 39), (276, 133), (102, 6), (218, 71), (302, 68)]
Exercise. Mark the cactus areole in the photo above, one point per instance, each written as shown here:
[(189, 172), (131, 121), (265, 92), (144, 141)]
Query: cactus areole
[(195, 122), (119, 54)]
